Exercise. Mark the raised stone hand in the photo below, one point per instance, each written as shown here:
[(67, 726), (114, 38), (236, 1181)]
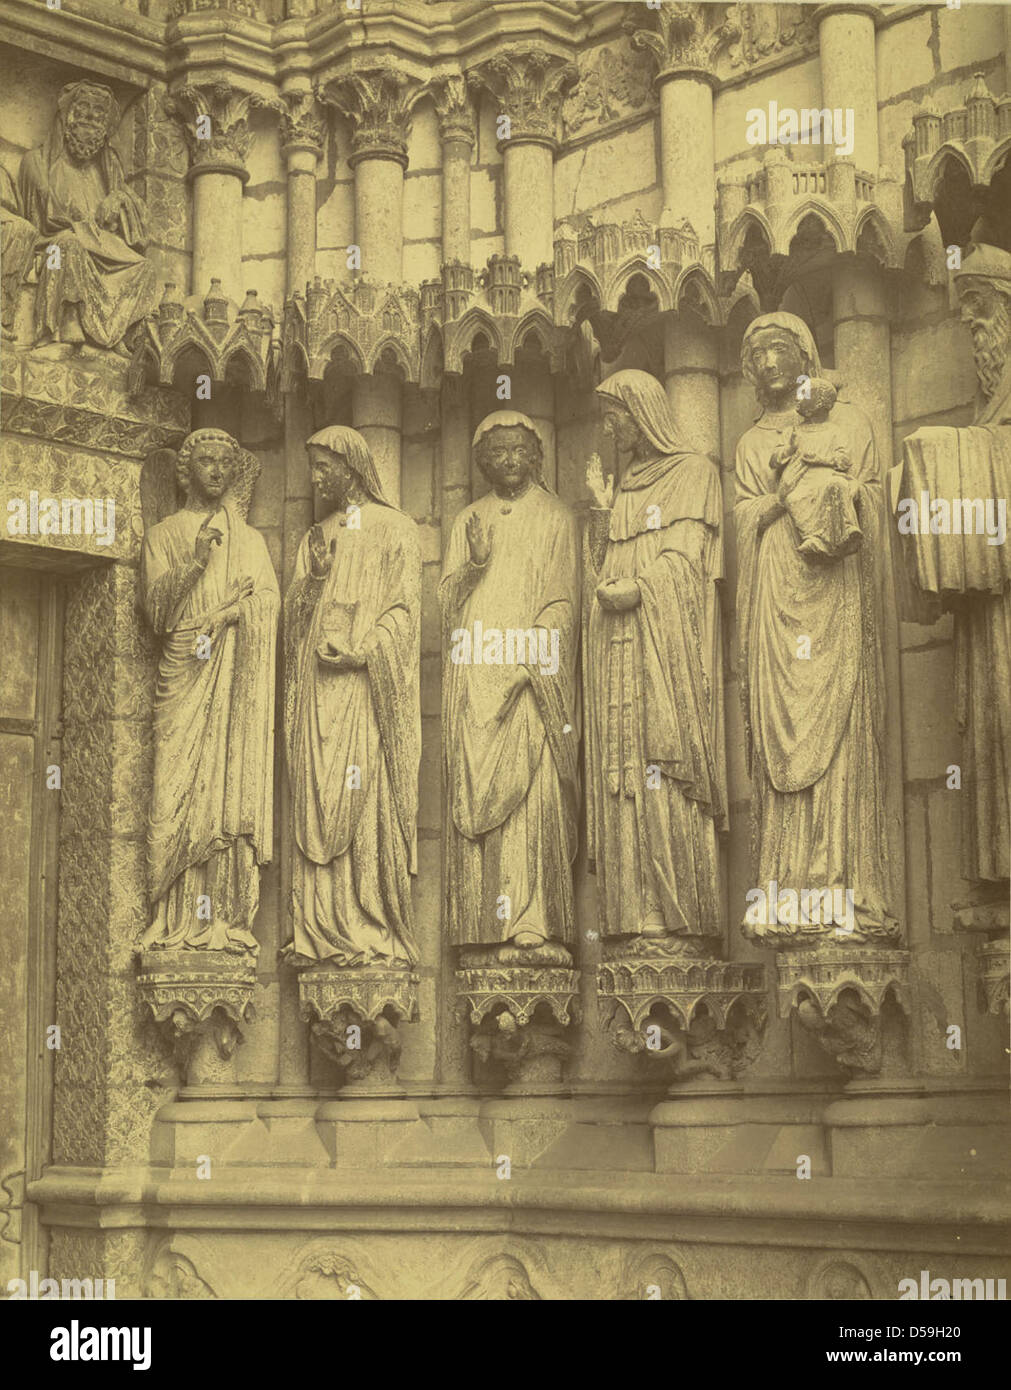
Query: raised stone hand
[(320, 557), (601, 485), (207, 536), (478, 539)]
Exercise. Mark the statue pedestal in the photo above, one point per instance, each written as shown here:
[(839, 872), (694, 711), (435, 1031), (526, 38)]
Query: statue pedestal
[(842, 995), (682, 1012), (354, 1013), (519, 1016), (990, 915), (204, 997)]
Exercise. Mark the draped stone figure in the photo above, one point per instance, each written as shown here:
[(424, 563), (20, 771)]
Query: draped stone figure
[(209, 591), (965, 568), (353, 716), (73, 191), (17, 248), (811, 668), (655, 775), (510, 606)]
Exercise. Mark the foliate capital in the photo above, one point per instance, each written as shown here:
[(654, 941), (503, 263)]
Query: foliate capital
[(683, 37), (378, 102), (215, 120), (454, 107), (530, 84)]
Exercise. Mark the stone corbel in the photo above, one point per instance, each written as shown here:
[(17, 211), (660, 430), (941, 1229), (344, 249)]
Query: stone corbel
[(840, 996), (203, 998), (521, 1016), (354, 1014), (683, 1013), (987, 915)]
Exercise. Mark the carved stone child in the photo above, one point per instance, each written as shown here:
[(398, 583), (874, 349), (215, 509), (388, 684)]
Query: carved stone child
[(814, 466)]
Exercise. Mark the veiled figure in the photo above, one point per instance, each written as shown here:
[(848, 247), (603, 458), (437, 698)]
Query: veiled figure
[(970, 575), (353, 715), (209, 590), (811, 668), (73, 191), (655, 775), (510, 606)]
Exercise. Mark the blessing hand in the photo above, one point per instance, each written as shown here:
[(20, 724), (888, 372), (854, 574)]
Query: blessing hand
[(601, 487), (478, 540), (320, 557)]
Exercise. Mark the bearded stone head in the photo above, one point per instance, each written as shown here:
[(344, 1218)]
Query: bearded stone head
[(984, 290), (88, 112)]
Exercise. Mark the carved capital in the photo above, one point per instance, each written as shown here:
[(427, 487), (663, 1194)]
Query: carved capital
[(378, 102), (454, 108), (303, 124), (683, 38), (530, 85), (215, 119)]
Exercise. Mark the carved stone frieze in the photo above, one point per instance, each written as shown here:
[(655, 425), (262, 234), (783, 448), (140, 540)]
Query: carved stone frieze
[(361, 326), (766, 31), (354, 1013), (530, 84), (614, 82)]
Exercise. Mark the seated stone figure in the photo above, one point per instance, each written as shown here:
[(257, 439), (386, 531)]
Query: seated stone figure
[(814, 471), (73, 190), (17, 247)]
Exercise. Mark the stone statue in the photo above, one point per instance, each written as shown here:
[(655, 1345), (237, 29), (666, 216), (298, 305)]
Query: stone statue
[(510, 607), (17, 249), (811, 670), (209, 591), (965, 568), (655, 773), (95, 281), (353, 716)]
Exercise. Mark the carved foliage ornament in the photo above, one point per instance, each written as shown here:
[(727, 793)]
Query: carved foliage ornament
[(684, 37), (215, 119), (530, 84), (378, 103)]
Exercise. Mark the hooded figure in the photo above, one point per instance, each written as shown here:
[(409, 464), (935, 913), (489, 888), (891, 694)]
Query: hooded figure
[(353, 715), (510, 607), (73, 190), (654, 738), (971, 574), (810, 661)]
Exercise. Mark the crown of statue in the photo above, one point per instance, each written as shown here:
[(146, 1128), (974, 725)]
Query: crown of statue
[(986, 262)]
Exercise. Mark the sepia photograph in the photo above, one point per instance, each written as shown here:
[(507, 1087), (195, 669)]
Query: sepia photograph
[(505, 663)]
